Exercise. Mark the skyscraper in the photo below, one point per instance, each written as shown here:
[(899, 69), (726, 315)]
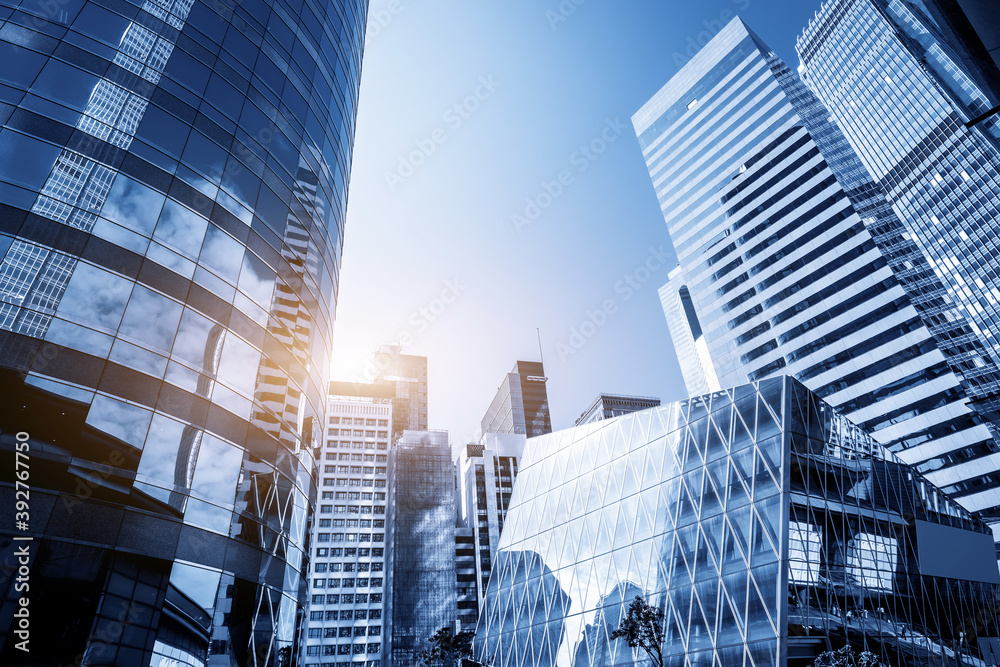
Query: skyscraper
[(173, 182), (903, 105), (786, 256), (347, 582), (423, 524), (521, 404), (902, 97), (407, 373), (487, 472)]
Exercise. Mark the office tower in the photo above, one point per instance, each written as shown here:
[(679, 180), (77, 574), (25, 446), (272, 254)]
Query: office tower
[(423, 512), (347, 606), (487, 472), (766, 526), (521, 404), (172, 195), (408, 375), (606, 406), (786, 260), (902, 98)]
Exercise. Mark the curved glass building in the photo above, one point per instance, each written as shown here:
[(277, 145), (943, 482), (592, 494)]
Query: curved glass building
[(173, 181)]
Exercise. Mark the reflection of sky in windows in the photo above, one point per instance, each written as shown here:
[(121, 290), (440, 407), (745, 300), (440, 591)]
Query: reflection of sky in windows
[(151, 319), (159, 455), (133, 204), (222, 253), (95, 297), (198, 583), (121, 420), (217, 469)]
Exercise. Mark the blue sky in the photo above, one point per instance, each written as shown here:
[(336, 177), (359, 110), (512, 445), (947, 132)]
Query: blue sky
[(498, 187)]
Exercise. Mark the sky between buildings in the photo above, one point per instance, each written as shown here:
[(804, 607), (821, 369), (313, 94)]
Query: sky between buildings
[(498, 187)]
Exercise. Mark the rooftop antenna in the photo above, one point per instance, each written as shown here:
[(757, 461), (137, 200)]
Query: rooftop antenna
[(540, 358)]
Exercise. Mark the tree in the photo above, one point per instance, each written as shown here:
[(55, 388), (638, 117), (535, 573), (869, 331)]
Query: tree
[(844, 657), (642, 628), (447, 649)]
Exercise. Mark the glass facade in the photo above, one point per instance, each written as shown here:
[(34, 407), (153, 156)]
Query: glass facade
[(902, 96), (765, 525), (347, 581), (173, 182), (423, 519), (521, 405), (793, 262)]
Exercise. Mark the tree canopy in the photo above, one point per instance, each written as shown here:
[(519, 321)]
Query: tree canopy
[(642, 628), (447, 648)]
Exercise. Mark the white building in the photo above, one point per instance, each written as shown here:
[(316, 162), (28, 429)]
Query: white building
[(486, 474), (347, 584)]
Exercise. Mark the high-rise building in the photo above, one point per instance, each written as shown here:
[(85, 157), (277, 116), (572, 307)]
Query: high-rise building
[(606, 406), (792, 262), (173, 182), (902, 97), (521, 404), (487, 472), (407, 373), (423, 524), (765, 526), (347, 617), (466, 591)]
